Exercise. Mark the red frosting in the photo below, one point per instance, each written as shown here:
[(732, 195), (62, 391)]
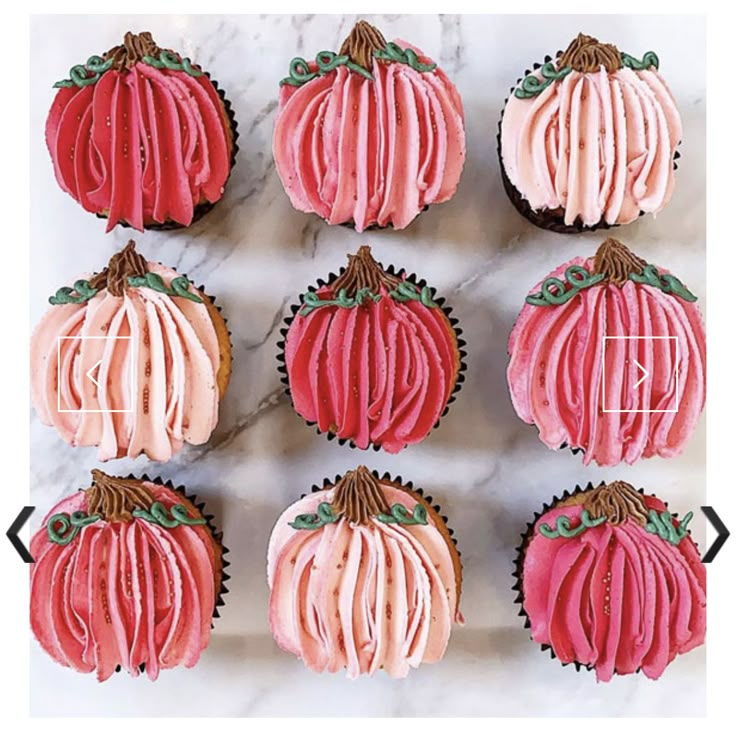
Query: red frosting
[(616, 597), (142, 146)]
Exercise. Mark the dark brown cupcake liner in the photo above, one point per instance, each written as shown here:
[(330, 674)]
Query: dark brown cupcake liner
[(549, 219), (201, 209), (420, 283), (518, 572), (216, 535)]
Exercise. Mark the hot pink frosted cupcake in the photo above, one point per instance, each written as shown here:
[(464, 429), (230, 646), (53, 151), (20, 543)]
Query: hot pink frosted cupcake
[(364, 575), (128, 574), (608, 357), (609, 579), (370, 136), (588, 139)]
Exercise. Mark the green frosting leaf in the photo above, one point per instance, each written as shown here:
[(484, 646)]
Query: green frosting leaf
[(660, 523), (666, 283), (650, 59), (562, 527), (531, 85)]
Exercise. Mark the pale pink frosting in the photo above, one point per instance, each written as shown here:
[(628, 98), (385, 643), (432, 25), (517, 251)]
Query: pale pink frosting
[(165, 375), (598, 145), (372, 152), (555, 373), (124, 593), (144, 146), (615, 597), (361, 597), (380, 373)]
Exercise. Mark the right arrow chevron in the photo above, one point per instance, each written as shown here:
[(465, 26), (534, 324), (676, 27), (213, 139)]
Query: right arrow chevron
[(720, 528)]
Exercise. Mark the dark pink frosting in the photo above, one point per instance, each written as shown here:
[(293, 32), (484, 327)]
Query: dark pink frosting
[(142, 146)]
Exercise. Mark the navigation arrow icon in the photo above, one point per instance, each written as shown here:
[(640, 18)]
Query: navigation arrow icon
[(643, 370), (720, 528), (15, 528), (99, 362)]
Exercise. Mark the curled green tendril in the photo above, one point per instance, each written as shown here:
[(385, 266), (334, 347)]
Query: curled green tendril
[(399, 515), (562, 526), (578, 278), (169, 60), (79, 73), (315, 520), (650, 59), (531, 85), (403, 293), (158, 515), (326, 61), (62, 528), (66, 295), (179, 286), (394, 53), (408, 292), (666, 283), (660, 523)]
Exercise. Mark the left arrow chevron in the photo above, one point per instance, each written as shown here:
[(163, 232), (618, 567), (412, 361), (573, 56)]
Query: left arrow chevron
[(15, 528)]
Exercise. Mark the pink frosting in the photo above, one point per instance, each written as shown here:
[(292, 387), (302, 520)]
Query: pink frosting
[(555, 373), (361, 597), (145, 146), (124, 593), (615, 597), (374, 152), (164, 378), (598, 145), (381, 373)]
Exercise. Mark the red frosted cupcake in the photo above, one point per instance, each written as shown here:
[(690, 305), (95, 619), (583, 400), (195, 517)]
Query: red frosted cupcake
[(608, 357), (609, 579), (370, 136), (128, 574), (372, 356), (141, 136)]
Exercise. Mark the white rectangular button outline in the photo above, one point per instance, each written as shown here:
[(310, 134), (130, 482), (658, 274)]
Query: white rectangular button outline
[(677, 374), (58, 368)]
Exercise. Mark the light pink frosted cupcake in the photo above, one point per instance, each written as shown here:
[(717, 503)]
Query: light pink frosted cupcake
[(371, 136), (588, 139), (364, 575), (608, 357)]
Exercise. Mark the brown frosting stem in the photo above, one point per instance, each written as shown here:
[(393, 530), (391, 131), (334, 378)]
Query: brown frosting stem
[(587, 54), (135, 46), (358, 496), (123, 265), (616, 261), (364, 272), (618, 501), (114, 498), (363, 40)]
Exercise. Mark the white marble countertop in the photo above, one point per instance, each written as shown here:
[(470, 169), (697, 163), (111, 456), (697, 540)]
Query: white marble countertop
[(485, 466)]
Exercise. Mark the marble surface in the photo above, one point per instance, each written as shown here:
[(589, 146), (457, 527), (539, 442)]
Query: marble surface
[(486, 467)]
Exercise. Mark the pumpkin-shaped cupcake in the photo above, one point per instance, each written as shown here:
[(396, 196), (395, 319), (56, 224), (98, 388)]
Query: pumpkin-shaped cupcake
[(128, 574), (364, 575), (141, 136), (609, 579), (370, 136), (608, 357), (588, 139), (133, 360), (372, 356)]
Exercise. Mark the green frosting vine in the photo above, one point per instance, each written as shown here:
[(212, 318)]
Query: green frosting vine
[(79, 74), (660, 523), (158, 515), (531, 85), (327, 61), (179, 286), (70, 525), (666, 283), (169, 60), (81, 292), (403, 293), (578, 277), (562, 526), (650, 59), (324, 515)]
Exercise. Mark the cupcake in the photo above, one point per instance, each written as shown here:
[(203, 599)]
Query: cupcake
[(141, 136), (610, 580), (370, 136), (588, 139), (128, 574), (133, 360), (364, 575), (372, 356), (608, 357)]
